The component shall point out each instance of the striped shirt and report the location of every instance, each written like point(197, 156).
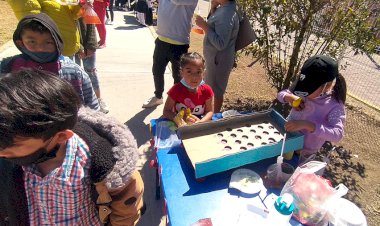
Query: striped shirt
point(80, 80)
point(62, 197)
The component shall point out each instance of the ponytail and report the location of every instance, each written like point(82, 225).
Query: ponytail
point(340, 89)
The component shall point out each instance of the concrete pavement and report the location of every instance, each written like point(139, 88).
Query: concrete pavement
point(126, 81)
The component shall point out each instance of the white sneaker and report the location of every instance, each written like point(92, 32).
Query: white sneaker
point(107, 21)
point(154, 101)
point(103, 106)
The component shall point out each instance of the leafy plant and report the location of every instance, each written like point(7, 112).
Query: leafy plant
point(290, 31)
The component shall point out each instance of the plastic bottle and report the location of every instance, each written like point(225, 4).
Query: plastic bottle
point(282, 210)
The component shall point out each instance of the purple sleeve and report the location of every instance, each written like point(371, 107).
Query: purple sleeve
point(281, 95)
point(334, 130)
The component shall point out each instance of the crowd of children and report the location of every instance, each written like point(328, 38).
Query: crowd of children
point(50, 142)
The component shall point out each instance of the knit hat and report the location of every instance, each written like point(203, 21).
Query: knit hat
point(316, 71)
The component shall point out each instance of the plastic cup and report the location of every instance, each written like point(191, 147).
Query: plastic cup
point(286, 172)
point(306, 157)
point(196, 28)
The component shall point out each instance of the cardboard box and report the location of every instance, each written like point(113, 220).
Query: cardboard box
point(218, 146)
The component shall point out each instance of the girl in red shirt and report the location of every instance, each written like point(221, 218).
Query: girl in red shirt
point(191, 92)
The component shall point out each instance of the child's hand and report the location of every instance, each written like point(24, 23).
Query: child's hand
point(190, 118)
point(297, 125)
point(201, 22)
point(298, 106)
point(214, 5)
point(295, 101)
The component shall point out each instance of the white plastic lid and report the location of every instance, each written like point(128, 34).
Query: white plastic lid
point(347, 213)
point(246, 181)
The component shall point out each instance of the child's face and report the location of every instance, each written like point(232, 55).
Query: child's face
point(23, 147)
point(37, 42)
point(322, 89)
point(192, 73)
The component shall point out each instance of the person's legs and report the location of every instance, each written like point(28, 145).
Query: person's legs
point(100, 9)
point(110, 7)
point(218, 73)
point(218, 103)
point(89, 66)
point(107, 18)
point(160, 61)
point(176, 52)
point(141, 18)
point(220, 85)
point(149, 17)
point(124, 4)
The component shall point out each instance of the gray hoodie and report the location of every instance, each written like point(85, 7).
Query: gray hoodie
point(174, 19)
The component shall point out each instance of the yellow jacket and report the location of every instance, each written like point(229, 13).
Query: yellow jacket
point(63, 15)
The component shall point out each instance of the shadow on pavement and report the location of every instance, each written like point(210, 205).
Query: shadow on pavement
point(129, 19)
point(139, 129)
point(129, 28)
point(154, 215)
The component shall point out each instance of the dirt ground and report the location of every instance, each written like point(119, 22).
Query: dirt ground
point(8, 22)
point(354, 161)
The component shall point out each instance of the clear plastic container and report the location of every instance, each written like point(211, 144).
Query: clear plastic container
point(278, 181)
point(166, 136)
point(195, 28)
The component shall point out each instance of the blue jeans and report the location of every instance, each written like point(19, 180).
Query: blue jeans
point(89, 67)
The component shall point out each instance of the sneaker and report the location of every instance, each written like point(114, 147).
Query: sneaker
point(103, 106)
point(107, 21)
point(154, 101)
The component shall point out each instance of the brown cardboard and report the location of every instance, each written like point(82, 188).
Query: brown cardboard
point(233, 137)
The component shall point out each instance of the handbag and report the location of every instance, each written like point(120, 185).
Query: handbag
point(246, 35)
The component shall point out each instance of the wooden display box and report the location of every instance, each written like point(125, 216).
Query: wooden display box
point(218, 146)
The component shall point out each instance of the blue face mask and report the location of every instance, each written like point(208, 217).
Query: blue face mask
point(189, 87)
point(41, 57)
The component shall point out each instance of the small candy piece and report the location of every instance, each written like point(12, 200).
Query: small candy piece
point(296, 103)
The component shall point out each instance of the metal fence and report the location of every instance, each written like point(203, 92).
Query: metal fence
point(362, 74)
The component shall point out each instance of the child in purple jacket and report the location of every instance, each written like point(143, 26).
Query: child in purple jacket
point(317, 99)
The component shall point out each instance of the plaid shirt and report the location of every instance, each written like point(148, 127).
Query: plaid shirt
point(63, 196)
point(80, 80)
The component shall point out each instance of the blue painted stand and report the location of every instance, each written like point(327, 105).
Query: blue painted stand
point(188, 199)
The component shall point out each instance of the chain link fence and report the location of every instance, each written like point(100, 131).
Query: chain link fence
point(361, 141)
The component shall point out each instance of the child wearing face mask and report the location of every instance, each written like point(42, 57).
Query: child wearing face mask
point(191, 92)
point(41, 45)
point(317, 99)
point(60, 163)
